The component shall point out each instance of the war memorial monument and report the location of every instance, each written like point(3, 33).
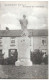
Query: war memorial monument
point(24, 45)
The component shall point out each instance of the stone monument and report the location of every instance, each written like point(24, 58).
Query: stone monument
point(24, 45)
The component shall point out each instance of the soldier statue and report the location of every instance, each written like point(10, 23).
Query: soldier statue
point(24, 23)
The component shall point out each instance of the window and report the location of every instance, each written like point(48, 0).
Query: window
point(43, 41)
point(0, 41)
point(12, 41)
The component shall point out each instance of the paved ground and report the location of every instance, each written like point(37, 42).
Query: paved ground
point(21, 72)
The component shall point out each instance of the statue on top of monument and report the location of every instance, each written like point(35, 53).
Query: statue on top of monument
point(24, 23)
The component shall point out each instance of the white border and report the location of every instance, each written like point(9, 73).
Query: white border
point(48, 38)
point(24, 0)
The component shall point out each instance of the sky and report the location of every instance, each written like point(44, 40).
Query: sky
point(36, 14)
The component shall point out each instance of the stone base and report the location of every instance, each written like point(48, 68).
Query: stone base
point(23, 62)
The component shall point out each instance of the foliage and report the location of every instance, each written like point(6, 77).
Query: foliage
point(37, 57)
point(10, 60)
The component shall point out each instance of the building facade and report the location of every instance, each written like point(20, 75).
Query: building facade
point(9, 41)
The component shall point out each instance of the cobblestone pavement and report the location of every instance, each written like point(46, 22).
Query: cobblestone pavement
point(22, 72)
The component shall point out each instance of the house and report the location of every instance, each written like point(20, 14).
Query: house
point(9, 40)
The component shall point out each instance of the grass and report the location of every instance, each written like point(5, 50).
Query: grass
point(22, 72)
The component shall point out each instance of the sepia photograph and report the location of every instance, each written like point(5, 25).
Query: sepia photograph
point(23, 39)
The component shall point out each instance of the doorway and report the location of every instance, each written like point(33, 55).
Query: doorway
point(13, 54)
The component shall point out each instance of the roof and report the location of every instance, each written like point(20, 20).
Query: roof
point(17, 33)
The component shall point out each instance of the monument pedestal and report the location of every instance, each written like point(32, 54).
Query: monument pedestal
point(23, 52)
point(23, 62)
